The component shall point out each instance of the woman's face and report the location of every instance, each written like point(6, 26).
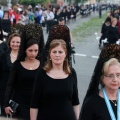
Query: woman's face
point(57, 55)
point(6, 15)
point(107, 23)
point(112, 79)
point(32, 52)
point(15, 43)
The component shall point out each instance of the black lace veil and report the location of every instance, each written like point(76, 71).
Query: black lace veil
point(31, 31)
point(59, 32)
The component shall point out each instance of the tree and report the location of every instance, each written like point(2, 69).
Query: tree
point(27, 2)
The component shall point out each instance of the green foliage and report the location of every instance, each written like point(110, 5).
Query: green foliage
point(32, 2)
point(88, 28)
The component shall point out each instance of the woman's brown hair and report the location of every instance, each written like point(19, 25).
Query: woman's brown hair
point(11, 37)
point(48, 66)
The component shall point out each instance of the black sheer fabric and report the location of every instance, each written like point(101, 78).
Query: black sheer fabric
point(10, 85)
point(59, 32)
point(32, 31)
point(17, 28)
point(110, 51)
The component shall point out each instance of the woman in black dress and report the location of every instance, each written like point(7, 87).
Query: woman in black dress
point(7, 59)
point(6, 23)
point(113, 32)
point(106, 74)
point(22, 75)
point(55, 95)
point(104, 30)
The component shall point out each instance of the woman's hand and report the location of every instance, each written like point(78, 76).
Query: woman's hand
point(8, 110)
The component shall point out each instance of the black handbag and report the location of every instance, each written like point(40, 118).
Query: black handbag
point(13, 106)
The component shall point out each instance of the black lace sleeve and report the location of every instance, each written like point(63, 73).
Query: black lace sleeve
point(75, 98)
point(11, 84)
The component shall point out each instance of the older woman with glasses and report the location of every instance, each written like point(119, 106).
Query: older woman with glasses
point(104, 103)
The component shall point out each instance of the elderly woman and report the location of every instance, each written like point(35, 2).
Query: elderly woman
point(104, 103)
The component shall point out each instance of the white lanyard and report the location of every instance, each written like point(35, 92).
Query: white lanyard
point(112, 115)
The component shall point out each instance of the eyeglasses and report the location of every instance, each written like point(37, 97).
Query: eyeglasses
point(112, 76)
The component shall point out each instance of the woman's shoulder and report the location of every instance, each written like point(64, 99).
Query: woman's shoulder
point(95, 98)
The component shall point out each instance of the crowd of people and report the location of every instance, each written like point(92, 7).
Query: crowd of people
point(45, 16)
point(37, 80)
point(111, 28)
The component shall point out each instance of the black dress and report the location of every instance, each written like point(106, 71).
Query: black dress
point(5, 67)
point(104, 31)
point(6, 23)
point(112, 35)
point(20, 88)
point(55, 98)
point(96, 109)
point(3, 47)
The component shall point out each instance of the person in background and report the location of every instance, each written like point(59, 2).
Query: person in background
point(3, 45)
point(103, 96)
point(61, 21)
point(7, 59)
point(104, 30)
point(49, 100)
point(100, 11)
point(49, 19)
point(113, 36)
point(6, 23)
point(1, 12)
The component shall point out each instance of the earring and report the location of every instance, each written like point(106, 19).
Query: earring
point(50, 58)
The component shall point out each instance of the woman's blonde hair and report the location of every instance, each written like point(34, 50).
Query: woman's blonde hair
point(112, 61)
point(48, 65)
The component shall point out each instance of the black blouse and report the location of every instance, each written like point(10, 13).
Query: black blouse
point(55, 98)
point(95, 108)
point(20, 85)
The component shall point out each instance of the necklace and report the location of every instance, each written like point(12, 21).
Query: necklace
point(31, 68)
point(114, 102)
point(13, 55)
point(58, 76)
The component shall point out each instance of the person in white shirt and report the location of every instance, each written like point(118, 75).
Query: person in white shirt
point(1, 12)
point(49, 19)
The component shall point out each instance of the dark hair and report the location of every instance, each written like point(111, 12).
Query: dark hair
point(30, 42)
point(61, 19)
point(24, 45)
point(108, 19)
point(5, 13)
